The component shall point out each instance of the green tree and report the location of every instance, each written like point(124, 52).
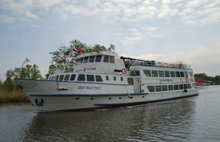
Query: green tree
point(1, 85)
point(8, 83)
point(35, 72)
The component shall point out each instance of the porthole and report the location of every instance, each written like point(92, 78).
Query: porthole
point(77, 99)
point(109, 98)
point(142, 96)
point(119, 97)
point(91, 98)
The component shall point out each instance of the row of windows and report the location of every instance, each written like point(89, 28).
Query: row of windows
point(155, 73)
point(98, 58)
point(81, 77)
point(160, 88)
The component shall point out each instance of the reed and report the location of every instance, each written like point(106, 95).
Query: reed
point(13, 97)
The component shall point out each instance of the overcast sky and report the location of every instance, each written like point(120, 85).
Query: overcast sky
point(163, 30)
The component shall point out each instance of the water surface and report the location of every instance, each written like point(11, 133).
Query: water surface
point(189, 119)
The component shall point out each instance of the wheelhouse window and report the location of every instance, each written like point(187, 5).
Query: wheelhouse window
point(147, 73)
point(137, 73)
point(72, 77)
point(164, 87)
point(191, 74)
point(170, 87)
point(106, 59)
point(80, 60)
point(54, 78)
point(154, 73)
point(161, 73)
point(182, 74)
point(66, 78)
point(90, 77)
point(57, 77)
point(85, 59)
point(181, 87)
point(98, 58)
point(185, 86)
point(151, 88)
point(177, 74)
point(112, 59)
point(172, 74)
point(158, 89)
point(81, 77)
point(167, 74)
point(98, 78)
point(176, 87)
point(61, 78)
point(91, 59)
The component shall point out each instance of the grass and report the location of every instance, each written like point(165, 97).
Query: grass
point(13, 97)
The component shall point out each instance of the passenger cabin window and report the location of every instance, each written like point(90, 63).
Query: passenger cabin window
point(107, 78)
point(61, 78)
point(98, 58)
point(98, 78)
point(185, 86)
point(172, 74)
point(72, 77)
point(91, 59)
point(147, 73)
point(137, 73)
point(112, 59)
point(189, 86)
point(158, 89)
point(182, 74)
point(161, 73)
point(164, 87)
point(180, 87)
point(177, 74)
point(81, 77)
point(106, 59)
point(90, 77)
point(167, 74)
point(176, 87)
point(154, 73)
point(85, 59)
point(54, 78)
point(151, 88)
point(170, 87)
point(66, 78)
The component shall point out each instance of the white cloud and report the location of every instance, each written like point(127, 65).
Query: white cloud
point(28, 14)
point(93, 3)
point(46, 4)
point(151, 29)
point(7, 19)
point(165, 10)
point(212, 18)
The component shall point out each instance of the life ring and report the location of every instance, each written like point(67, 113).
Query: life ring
point(123, 70)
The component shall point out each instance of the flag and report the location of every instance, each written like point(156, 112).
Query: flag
point(27, 60)
point(75, 50)
point(81, 50)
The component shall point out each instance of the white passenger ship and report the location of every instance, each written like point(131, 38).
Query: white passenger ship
point(102, 79)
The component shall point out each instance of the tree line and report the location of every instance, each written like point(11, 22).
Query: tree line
point(61, 58)
point(205, 77)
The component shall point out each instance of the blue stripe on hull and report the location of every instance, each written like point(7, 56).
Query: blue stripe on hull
point(81, 95)
point(142, 102)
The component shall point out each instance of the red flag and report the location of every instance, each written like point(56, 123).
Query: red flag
point(81, 50)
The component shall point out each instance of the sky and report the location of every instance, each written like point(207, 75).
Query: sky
point(161, 30)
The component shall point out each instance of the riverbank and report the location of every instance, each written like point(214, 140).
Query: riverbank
point(13, 97)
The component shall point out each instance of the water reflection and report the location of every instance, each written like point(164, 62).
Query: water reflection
point(169, 120)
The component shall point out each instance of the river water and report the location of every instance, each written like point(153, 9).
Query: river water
point(189, 119)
